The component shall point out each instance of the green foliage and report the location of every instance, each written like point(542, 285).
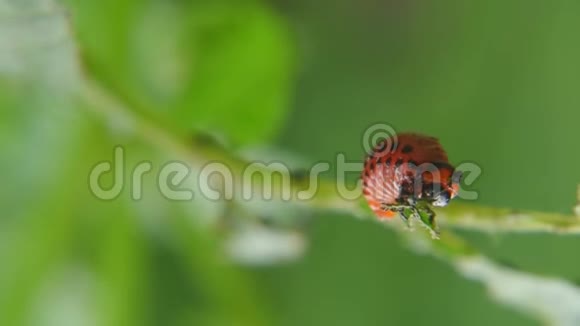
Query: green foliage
point(495, 81)
point(223, 67)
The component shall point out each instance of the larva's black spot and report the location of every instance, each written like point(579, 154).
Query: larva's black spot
point(372, 164)
point(407, 149)
point(399, 162)
point(387, 161)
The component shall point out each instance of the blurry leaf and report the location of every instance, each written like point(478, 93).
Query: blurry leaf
point(254, 244)
point(555, 301)
point(223, 67)
point(51, 146)
point(104, 31)
point(241, 73)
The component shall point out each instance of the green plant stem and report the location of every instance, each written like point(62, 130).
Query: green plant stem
point(456, 216)
point(531, 294)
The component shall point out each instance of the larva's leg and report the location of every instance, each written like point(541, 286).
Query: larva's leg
point(427, 216)
point(407, 215)
point(405, 212)
point(393, 207)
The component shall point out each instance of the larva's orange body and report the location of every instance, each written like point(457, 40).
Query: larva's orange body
point(405, 174)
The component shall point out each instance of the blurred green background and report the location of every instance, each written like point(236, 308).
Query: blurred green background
point(498, 83)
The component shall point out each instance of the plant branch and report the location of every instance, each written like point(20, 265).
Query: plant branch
point(456, 216)
point(529, 293)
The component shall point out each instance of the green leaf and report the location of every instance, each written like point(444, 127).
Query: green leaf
point(242, 73)
point(49, 218)
point(223, 67)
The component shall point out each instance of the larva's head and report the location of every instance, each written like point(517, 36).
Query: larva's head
point(449, 189)
point(440, 185)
